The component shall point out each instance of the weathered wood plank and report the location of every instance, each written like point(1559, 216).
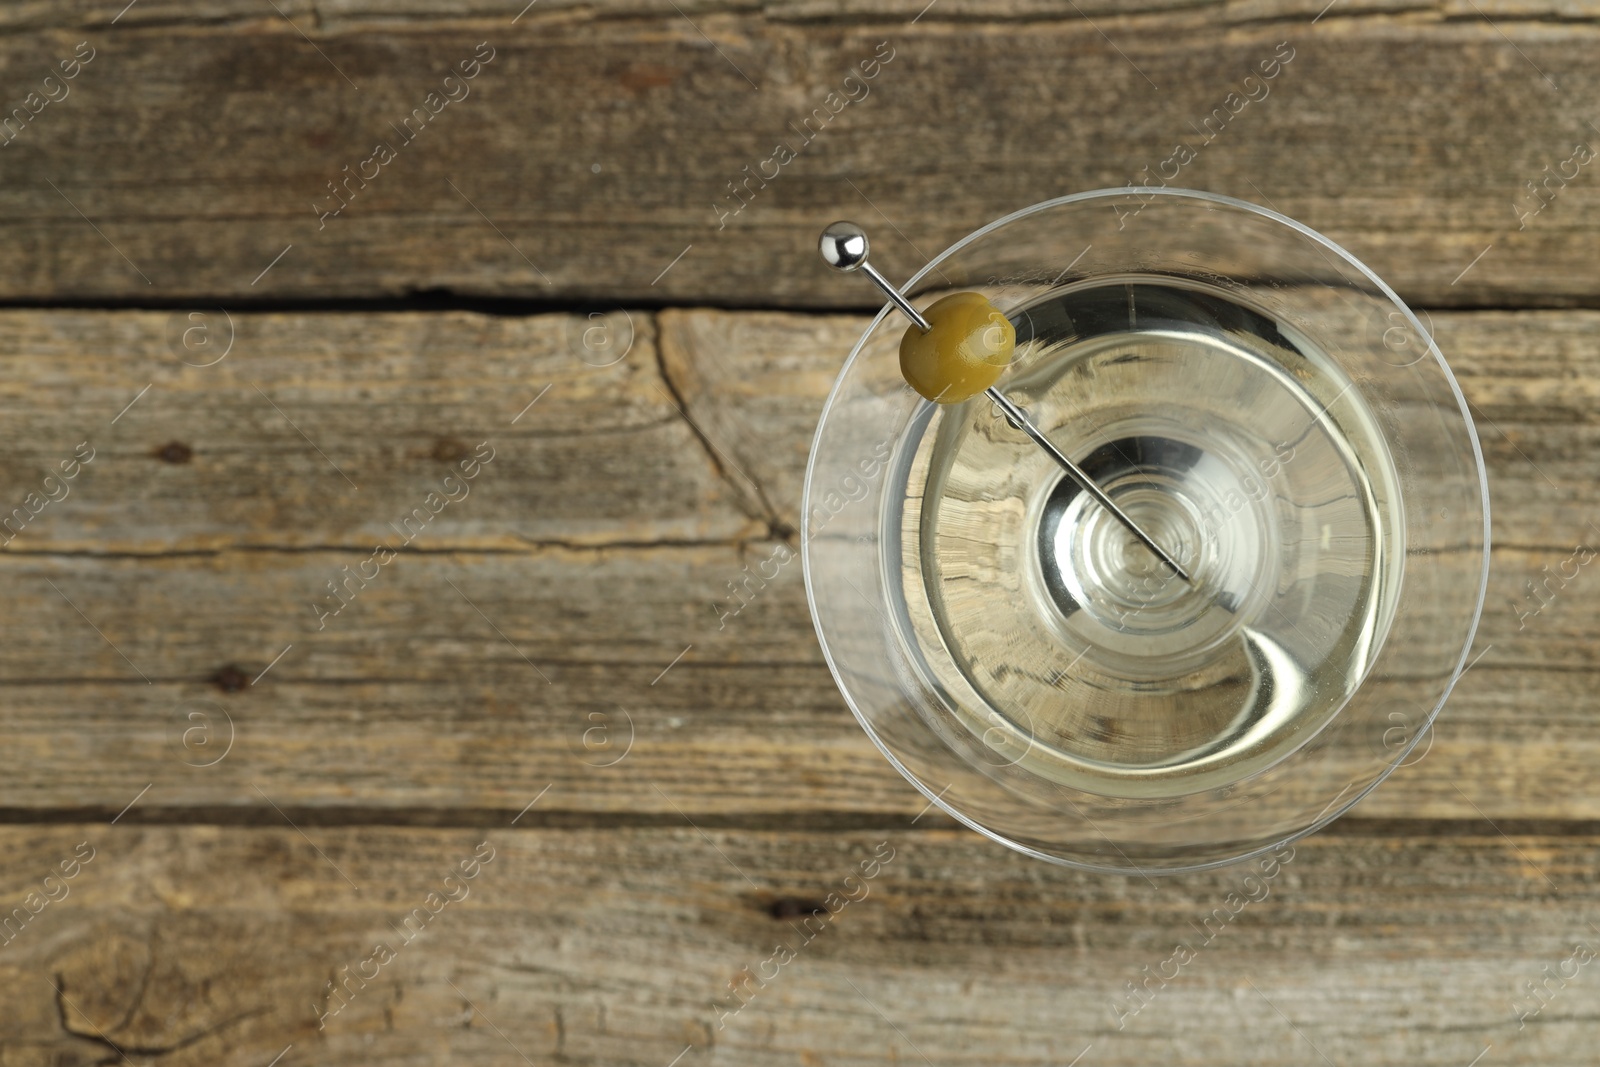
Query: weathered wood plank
point(215, 945)
point(410, 699)
point(592, 152)
point(338, 16)
point(604, 456)
point(325, 429)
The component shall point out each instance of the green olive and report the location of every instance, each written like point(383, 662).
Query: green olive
point(968, 345)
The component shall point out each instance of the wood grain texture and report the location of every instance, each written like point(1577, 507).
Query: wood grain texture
point(332, 16)
point(198, 945)
point(593, 554)
point(592, 158)
point(322, 429)
point(671, 791)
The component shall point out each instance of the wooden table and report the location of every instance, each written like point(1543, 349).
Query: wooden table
point(578, 811)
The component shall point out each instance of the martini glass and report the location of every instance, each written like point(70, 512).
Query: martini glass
point(1268, 410)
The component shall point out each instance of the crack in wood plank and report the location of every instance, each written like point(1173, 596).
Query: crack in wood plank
point(99, 1037)
point(762, 509)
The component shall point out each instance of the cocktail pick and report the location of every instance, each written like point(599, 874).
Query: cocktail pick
point(960, 348)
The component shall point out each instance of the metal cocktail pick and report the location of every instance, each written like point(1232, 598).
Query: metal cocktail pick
point(844, 248)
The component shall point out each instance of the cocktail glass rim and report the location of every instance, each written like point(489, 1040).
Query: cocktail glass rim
point(1334, 809)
